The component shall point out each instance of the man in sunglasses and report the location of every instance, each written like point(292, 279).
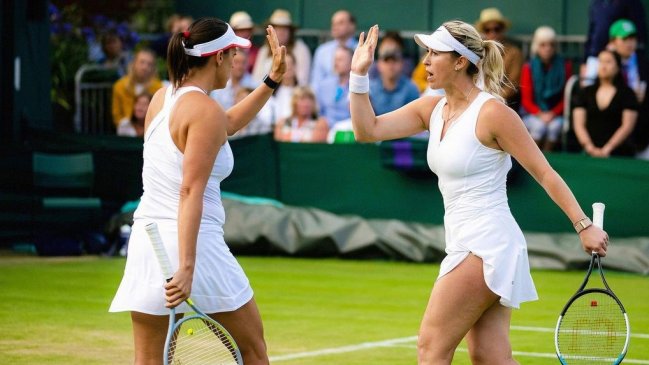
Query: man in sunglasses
point(493, 26)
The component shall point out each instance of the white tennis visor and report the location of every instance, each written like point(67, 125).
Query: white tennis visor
point(226, 41)
point(441, 40)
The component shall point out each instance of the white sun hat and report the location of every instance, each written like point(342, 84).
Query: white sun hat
point(441, 40)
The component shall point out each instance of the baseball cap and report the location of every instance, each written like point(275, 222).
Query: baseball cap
point(622, 28)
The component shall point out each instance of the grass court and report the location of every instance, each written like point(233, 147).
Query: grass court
point(315, 311)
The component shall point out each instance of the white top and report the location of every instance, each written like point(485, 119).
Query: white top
point(219, 284)
point(162, 171)
point(472, 179)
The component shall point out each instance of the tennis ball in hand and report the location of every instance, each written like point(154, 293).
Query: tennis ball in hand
point(190, 331)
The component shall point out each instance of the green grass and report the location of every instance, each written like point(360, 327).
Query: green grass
point(54, 311)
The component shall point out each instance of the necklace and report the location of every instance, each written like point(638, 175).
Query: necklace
point(450, 117)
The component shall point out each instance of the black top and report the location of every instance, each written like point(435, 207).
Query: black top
point(602, 124)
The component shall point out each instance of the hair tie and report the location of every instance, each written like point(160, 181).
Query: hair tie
point(186, 34)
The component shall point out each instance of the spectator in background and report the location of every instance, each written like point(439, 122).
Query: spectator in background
point(284, 92)
point(304, 124)
point(343, 29)
point(239, 78)
point(543, 80)
point(605, 113)
point(115, 56)
point(262, 123)
point(176, 23)
point(392, 39)
point(243, 26)
point(142, 77)
point(134, 126)
point(601, 15)
point(285, 29)
point(493, 25)
point(635, 68)
point(391, 89)
point(332, 93)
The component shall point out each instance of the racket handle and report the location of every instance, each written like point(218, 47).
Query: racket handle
point(598, 214)
point(159, 249)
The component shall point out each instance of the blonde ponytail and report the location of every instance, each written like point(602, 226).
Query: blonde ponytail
point(493, 69)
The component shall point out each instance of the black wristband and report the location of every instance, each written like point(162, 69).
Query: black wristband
point(270, 82)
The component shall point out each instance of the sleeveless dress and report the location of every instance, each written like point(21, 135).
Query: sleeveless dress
point(219, 283)
point(477, 219)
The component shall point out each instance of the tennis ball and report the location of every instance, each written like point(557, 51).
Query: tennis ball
point(190, 331)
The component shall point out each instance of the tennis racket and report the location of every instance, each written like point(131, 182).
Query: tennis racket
point(593, 327)
point(195, 338)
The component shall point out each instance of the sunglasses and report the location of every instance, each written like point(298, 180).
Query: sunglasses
point(493, 30)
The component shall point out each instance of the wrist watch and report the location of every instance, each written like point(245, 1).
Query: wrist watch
point(582, 224)
point(270, 82)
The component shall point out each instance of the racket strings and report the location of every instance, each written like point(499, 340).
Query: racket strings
point(198, 341)
point(593, 330)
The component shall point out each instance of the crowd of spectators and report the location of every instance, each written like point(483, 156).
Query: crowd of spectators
point(608, 110)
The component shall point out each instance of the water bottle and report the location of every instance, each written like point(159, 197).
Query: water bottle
point(124, 234)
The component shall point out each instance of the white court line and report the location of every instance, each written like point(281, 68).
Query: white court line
point(399, 342)
point(344, 349)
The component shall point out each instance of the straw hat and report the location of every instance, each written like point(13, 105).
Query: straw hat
point(491, 15)
point(241, 20)
point(281, 18)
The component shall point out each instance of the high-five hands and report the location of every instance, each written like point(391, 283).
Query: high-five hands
point(278, 51)
point(364, 53)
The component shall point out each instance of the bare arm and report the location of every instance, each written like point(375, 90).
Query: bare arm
point(579, 125)
point(403, 122)
point(500, 127)
point(240, 114)
point(199, 134)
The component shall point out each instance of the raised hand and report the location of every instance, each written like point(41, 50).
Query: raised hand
point(278, 51)
point(364, 53)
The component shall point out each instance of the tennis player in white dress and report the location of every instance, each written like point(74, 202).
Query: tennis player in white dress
point(186, 156)
point(473, 135)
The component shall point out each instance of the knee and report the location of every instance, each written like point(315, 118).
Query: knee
point(254, 352)
point(430, 350)
point(481, 355)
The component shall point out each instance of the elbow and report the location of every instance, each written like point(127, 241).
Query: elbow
point(363, 137)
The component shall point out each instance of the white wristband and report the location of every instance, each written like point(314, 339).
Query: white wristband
point(359, 84)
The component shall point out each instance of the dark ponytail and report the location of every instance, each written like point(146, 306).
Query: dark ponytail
point(201, 31)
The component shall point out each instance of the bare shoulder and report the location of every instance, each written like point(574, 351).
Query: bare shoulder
point(425, 106)
point(497, 116)
point(157, 101)
point(198, 108)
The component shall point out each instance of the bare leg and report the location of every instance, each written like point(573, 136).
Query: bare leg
point(488, 339)
point(149, 334)
point(244, 324)
point(457, 301)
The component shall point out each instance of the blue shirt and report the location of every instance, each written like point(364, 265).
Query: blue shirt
point(323, 60)
point(333, 100)
point(226, 96)
point(385, 101)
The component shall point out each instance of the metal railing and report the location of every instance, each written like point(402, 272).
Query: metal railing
point(93, 90)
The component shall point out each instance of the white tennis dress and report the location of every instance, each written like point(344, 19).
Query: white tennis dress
point(219, 282)
point(477, 218)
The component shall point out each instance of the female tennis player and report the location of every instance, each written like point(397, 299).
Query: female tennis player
point(472, 136)
point(186, 156)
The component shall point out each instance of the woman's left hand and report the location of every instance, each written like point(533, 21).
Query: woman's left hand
point(278, 51)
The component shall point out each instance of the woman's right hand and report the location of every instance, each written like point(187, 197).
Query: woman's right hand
point(178, 289)
point(594, 239)
point(364, 53)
